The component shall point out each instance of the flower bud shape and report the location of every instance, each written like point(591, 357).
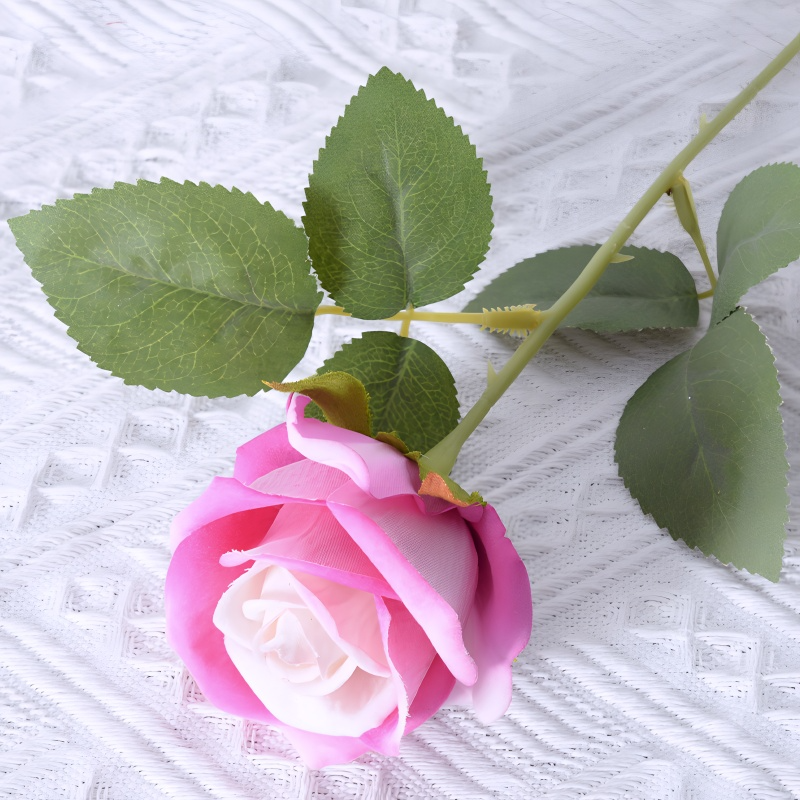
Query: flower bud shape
point(317, 591)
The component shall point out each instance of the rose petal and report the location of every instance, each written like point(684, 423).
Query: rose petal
point(440, 548)
point(221, 496)
point(431, 695)
point(499, 626)
point(304, 480)
point(309, 538)
point(410, 656)
point(346, 700)
point(375, 467)
point(322, 751)
point(195, 582)
point(268, 451)
point(350, 619)
point(362, 703)
point(412, 552)
point(318, 751)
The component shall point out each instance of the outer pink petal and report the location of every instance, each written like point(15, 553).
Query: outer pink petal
point(410, 656)
point(432, 694)
point(318, 751)
point(268, 451)
point(222, 496)
point(499, 626)
point(401, 542)
point(195, 582)
point(375, 467)
point(305, 480)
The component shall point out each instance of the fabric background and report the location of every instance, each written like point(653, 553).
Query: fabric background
point(653, 673)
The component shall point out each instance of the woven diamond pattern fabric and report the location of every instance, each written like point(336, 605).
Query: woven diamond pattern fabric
point(653, 673)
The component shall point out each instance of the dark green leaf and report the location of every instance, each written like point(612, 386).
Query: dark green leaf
point(654, 290)
point(758, 233)
point(398, 209)
point(700, 446)
point(411, 391)
point(176, 286)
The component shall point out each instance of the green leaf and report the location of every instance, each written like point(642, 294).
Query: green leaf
point(341, 397)
point(398, 209)
point(758, 233)
point(700, 446)
point(411, 391)
point(176, 286)
point(653, 290)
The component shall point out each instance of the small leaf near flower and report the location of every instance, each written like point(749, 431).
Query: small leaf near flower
point(343, 399)
point(411, 390)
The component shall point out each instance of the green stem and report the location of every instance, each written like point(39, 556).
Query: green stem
point(517, 318)
point(442, 456)
point(405, 325)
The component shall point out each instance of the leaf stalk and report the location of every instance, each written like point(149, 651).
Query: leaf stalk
point(511, 319)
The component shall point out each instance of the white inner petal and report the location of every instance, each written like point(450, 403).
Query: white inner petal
point(284, 633)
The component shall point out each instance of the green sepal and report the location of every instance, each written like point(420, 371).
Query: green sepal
point(343, 399)
point(436, 485)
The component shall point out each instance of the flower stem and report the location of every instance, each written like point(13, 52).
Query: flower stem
point(442, 456)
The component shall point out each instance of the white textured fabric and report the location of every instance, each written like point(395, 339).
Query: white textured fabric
point(653, 672)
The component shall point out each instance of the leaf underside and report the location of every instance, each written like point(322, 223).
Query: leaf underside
point(700, 445)
point(653, 290)
point(411, 391)
point(176, 286)
point(758, 233)
point(397, 208)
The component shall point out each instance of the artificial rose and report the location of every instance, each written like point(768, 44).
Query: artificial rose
point(317, 591)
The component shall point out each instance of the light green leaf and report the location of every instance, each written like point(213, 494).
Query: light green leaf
point(411, 391)
point(700, 446)
point(398, 209)
point(341, 397)
point(758, 233)
point(652, 290)
point(176, 286)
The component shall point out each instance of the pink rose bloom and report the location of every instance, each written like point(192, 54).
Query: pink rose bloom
point(318, 592)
